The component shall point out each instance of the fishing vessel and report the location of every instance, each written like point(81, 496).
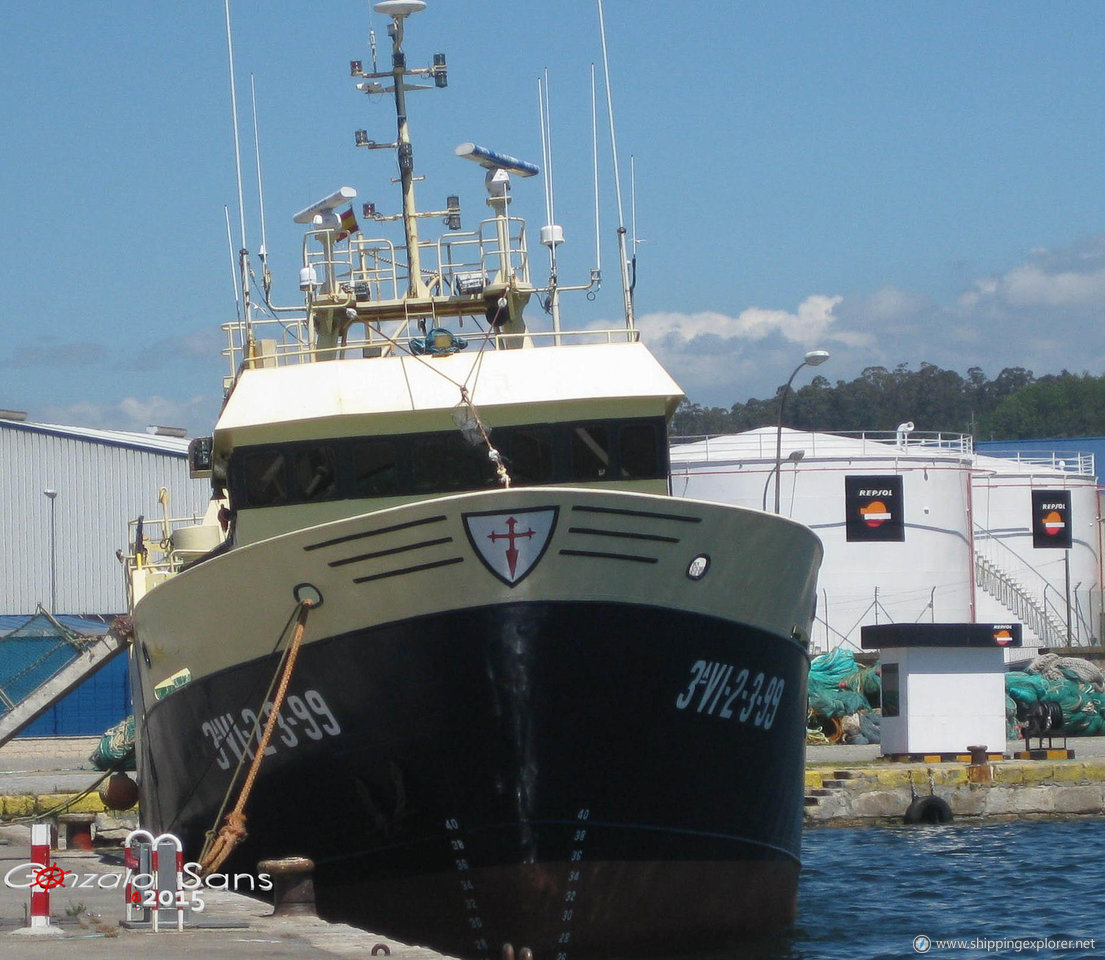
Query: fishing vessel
point(444, 631)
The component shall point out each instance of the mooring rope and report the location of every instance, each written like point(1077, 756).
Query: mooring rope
point(234, 829)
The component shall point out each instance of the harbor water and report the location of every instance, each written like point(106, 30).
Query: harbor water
point(1031, 889)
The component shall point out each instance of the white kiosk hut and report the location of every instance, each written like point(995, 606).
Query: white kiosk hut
point(943, 687)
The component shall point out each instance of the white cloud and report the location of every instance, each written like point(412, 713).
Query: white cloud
point(1068, 279)
point(1045, 313)
point(715, 356)
point(890, 305)
point(197, 414)
point(809, 325)
point(1030, 286)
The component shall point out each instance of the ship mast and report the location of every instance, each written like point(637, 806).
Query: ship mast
point(399, 10)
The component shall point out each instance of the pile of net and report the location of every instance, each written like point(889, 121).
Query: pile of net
point(843, 696)
point(115, 751)
point(1076, 685)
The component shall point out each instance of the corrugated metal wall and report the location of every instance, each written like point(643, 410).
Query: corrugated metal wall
point(97, 704)
point(102, 481)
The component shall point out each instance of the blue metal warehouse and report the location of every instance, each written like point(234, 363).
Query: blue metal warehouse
point(66, 496)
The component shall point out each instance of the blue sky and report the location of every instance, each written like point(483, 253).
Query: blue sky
point(896, 183)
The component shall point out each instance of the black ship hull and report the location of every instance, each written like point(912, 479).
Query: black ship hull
point(586, 779)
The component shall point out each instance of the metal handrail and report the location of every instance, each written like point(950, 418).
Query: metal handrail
point(884, 442)
point(289, 350)
point(1062, 461)
point(1010, 594)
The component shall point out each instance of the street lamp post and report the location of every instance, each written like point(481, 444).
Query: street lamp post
point(52, 495)
point(812, 359)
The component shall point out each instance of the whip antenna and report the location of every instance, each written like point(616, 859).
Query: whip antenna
point(260, 190)
point(233, 271)
point(595, 172)
point(627, 294)
point(551, 234)
point(234, 115)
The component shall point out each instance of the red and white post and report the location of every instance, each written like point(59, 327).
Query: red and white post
point(136, 859)
point(40, 893)
point(168, 872)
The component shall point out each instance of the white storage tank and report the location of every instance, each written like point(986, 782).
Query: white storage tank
point(1038, 545)
point(892, 509)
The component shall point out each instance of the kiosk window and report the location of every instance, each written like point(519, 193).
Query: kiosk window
point(891, 695)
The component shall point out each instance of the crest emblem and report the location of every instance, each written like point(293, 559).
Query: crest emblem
point(511, 542)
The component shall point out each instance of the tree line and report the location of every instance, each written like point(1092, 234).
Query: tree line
point(1014, 405)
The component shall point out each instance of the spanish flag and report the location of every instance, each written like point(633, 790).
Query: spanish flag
point(348, 224)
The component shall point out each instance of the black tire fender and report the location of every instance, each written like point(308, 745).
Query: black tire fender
point(927, 810)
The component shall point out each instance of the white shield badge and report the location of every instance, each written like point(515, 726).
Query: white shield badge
point(510, 543)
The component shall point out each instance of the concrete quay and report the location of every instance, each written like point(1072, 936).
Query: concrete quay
point(845, 785)
point(850, 785)
point(37, 775)
point(86, 917)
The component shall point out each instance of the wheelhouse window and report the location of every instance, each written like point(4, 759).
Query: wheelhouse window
point(638, 451)
point(375, 468)
point(530, 454)
point(590, 452)
point(424, 464)
point(315, 473)
point(447, 462)
point(264, 478)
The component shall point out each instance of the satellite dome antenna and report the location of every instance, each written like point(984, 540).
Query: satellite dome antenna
point(399, 8)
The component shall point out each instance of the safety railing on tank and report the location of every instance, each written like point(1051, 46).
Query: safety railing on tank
point(1063, 461)
point(760, 444)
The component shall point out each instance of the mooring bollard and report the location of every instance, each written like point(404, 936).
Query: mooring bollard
point(293, 886)
point(979, 769)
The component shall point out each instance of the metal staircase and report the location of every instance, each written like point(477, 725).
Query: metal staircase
point(1048, 628)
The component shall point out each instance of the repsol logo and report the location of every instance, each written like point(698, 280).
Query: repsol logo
point(1053, 506)
point(875, 493)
